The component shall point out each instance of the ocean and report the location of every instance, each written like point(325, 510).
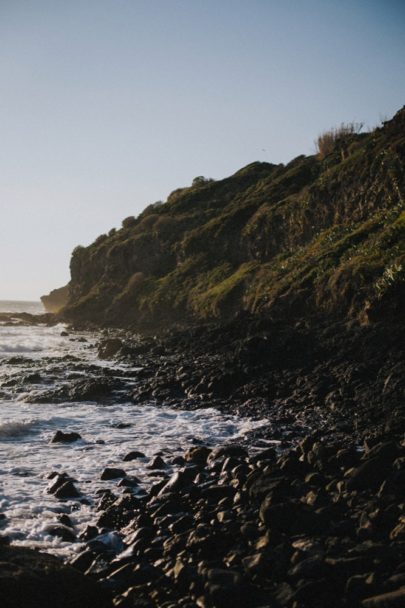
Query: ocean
point(33, 308)
point(39, 365)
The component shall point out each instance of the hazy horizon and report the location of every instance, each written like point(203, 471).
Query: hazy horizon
point(15, 300)
point(109, 106)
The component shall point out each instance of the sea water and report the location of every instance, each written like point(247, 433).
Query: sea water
point(34, 308)
point(38, 358)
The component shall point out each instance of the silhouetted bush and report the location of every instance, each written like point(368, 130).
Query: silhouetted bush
point(337, 137)
point(200, 180)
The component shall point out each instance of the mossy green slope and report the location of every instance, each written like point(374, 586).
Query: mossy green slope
point(317, 236)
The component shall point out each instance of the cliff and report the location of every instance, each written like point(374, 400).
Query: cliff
point(56, 300)
point(322, 235)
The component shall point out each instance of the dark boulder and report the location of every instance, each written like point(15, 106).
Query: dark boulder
point(61, 437)
point(107, 349)
point(29, 579)
point(61, 531)
point(369, 475)
point(91, 390)
point(157, 463)
point(233, 451)
point(179, 480)
point(134, 455)
point(67, 490)
point(63, 486)
point(197, 455)
point(111, 473)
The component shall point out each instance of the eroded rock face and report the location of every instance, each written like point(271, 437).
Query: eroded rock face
point(56, 299)
point(29, 579)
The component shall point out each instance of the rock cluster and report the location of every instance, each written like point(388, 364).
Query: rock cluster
point(345, 380)
point(319, 525)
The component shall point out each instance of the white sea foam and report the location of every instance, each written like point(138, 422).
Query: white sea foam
point(15, 429)
point(27, 455)
point(31, 457)
point(39, 341)
point(19, 348)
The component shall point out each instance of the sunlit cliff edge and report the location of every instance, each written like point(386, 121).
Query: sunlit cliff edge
point(56, 299)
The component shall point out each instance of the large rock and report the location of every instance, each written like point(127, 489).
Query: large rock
point(91, 389)
point(29, 579)
point(61, 437)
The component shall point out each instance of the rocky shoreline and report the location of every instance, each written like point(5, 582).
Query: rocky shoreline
point(26, 318)
point(318, 522)
point(318, 525)
point(341, 379)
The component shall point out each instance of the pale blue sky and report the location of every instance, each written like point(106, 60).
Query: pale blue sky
point(108, 105)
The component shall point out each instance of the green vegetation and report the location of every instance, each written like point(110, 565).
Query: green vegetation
point(324, 234)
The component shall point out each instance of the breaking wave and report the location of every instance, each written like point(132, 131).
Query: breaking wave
point(16, 429)
point(20, 348)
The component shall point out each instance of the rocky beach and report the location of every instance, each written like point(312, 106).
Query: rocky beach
point(305, 510)
point(215, 402)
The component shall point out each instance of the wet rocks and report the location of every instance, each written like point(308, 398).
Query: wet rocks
point(112, 473)
point(66, 490)
point(134, 455)
point(232, 526)
point(65, 533)
point(316, 521)
point(92, 389)
point(157, 463)
point(197, 455)
point(109, 348)
point(61, 437)
point(180, 480)
point(302, 372)
point(62, 486)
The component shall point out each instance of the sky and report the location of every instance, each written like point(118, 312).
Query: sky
point(107, 106)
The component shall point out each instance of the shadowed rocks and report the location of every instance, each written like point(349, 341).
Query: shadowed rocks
point(34, 580)
point(257, 529)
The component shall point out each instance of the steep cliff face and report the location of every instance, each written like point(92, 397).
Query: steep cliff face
point(317, 236)
point(56, 299)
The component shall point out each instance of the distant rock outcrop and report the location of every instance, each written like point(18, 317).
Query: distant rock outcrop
point(56, 300)
point(322, 235)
